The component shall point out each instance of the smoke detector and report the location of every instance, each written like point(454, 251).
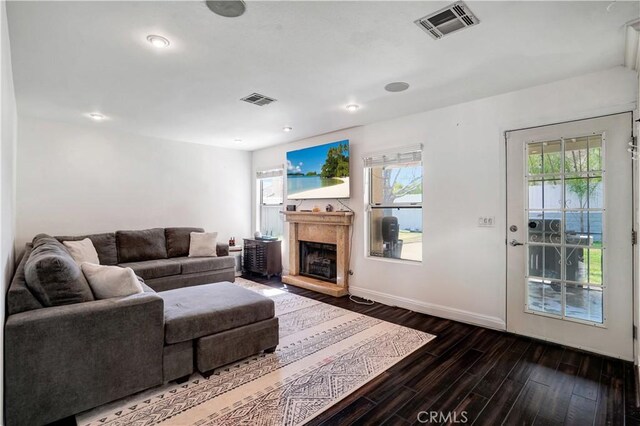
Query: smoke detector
point(258, 99)
point(450, 19)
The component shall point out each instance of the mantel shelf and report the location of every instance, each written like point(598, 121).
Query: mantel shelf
point(329, 218)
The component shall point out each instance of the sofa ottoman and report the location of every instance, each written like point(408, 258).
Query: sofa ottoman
point(224, 321)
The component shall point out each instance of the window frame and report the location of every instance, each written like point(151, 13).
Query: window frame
point(369, 164)
point(261, 175)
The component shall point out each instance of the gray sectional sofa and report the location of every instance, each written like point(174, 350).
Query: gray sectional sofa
point(64, 359)
point(159, 256)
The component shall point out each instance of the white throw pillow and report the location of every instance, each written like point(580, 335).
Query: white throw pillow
point(203, 244)
point(111, 281)
point(82, 251)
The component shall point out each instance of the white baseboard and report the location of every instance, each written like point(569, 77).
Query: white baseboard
point(430, 309)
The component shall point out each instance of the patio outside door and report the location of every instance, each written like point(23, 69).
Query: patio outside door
point(569, 236)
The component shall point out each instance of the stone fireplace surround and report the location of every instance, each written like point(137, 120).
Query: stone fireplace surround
point(320, 227)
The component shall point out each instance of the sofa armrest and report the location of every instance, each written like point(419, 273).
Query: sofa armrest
point(62, 360)
point(222, 249)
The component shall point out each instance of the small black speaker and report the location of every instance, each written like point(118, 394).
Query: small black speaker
point(390, 228)
point(291, 207)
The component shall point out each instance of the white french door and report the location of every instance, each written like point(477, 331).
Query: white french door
point(569, 236)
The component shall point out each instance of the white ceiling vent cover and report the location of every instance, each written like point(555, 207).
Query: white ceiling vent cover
point(258, 99)
point(448, 20)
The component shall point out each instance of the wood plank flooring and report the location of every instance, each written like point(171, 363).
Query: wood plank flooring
point(485, 377)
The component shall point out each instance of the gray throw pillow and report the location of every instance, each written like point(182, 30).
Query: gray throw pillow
point(53, 276)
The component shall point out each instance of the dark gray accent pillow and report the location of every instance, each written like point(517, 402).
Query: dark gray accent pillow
point(105, 245)
point(53, 276)
point(178, 240)
point(135, 246)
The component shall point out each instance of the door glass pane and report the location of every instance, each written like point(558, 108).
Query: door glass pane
point(552, 157)
point(595, 228)
point(595, 192)
point(576, 267)
point(595, 152)
point(576, 155)
point(535, 194)
point(545, 261)
point(552, 194)
point(545, 227)
point(577, 227)
point(534, 158)
point(576, 192)
point(584, 302)
point(545, 296)
point(535, 226)
point(594, 260)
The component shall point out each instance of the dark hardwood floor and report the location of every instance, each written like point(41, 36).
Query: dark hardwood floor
point(485, 377)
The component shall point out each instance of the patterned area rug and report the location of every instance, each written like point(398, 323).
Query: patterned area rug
point(325, 353)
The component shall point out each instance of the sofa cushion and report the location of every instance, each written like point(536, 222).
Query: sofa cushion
point(150, 269)
point(193, 312)
point(191, 265)
point(105, 245)
point(19, 297)
point(135, 246)
point(108, 282)
point(53, 276)
point(178, 240)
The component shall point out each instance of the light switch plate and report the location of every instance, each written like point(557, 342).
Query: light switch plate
point(487, 221)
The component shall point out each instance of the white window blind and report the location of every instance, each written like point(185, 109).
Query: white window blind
point(401, 155)
point(263, 174)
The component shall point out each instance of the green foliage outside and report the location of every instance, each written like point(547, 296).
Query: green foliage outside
point(337, 162)
point(578, 160)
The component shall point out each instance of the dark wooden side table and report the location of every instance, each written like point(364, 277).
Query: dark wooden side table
point(263, 257)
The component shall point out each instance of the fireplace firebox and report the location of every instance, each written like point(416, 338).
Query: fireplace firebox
point(318, 260)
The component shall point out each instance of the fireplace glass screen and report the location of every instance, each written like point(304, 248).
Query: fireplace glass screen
point(318, 260)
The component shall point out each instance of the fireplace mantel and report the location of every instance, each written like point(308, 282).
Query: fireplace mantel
point(320, 227)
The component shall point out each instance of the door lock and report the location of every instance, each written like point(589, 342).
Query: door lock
point(515, 243)
point(513, 228)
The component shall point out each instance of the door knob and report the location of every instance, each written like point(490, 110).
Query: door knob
point(515, 243)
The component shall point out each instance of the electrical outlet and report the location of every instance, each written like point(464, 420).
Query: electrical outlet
point(487, 221)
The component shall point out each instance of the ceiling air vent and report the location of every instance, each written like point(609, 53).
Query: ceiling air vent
point(258, 99)
point(448, 20)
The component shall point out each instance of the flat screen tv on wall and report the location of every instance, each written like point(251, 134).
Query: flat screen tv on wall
point(318, 172)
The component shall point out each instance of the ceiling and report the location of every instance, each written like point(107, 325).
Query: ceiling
point(73, 58)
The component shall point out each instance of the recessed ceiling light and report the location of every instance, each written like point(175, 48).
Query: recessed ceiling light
point(352, 107)
point(237, 140)
point(158, 41)
point(287, 129)
point(96, 116)
point(227, 8)
point(397, 86)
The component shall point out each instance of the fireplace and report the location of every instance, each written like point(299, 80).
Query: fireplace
point(318, 260)
point(319, 251)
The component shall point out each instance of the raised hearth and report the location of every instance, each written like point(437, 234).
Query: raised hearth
point(325, 236)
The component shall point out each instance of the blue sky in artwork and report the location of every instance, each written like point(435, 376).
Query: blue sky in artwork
point(309, 159)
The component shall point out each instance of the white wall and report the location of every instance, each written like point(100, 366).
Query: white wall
point(84, 179)
point(462, 275)
point(7, 173)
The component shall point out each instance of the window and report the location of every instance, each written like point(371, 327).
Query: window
point(394, 197)
point(270, 190)
point(565, 183)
